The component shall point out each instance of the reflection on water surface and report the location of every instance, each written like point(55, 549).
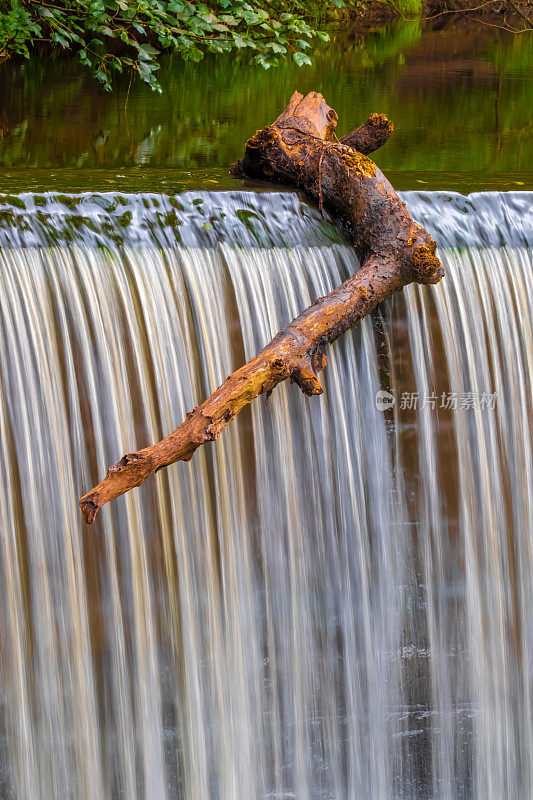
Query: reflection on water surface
point(460, 99)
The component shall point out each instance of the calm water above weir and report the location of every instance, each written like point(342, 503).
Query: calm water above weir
point(460, 99)
point(335, 600)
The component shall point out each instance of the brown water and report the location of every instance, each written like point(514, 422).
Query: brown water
point(331, 602)
point(460, 98)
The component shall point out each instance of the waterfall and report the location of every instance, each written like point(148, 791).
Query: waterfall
point(332, 602)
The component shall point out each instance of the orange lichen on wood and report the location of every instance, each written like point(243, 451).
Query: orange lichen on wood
point(300, 148)
point(371, 135)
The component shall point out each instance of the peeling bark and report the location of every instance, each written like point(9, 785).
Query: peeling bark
point(300, 148)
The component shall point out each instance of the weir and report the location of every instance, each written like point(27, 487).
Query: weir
point(334, 601)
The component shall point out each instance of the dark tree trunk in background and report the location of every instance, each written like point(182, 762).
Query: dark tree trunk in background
point(300, 149)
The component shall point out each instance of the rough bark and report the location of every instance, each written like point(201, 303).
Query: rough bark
point(300, 148)
point(371, 135)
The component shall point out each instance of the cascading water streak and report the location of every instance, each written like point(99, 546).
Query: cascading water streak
point(333, 601)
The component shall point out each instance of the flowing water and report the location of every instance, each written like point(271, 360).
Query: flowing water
point(332, 602)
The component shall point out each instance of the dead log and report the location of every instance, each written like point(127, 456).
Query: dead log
point(300, 148)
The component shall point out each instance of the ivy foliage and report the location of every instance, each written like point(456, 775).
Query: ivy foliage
point(111, 36)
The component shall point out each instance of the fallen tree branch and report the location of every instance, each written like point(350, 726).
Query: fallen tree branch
point(300, 148)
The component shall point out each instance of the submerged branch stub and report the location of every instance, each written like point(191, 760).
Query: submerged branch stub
point(300, 148)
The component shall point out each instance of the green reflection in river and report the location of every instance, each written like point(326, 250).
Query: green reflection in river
point(460, 99)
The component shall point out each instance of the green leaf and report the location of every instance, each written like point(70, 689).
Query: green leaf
point(276, 48)
point(56, 37)
point(147, 52)
point(301, 59)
